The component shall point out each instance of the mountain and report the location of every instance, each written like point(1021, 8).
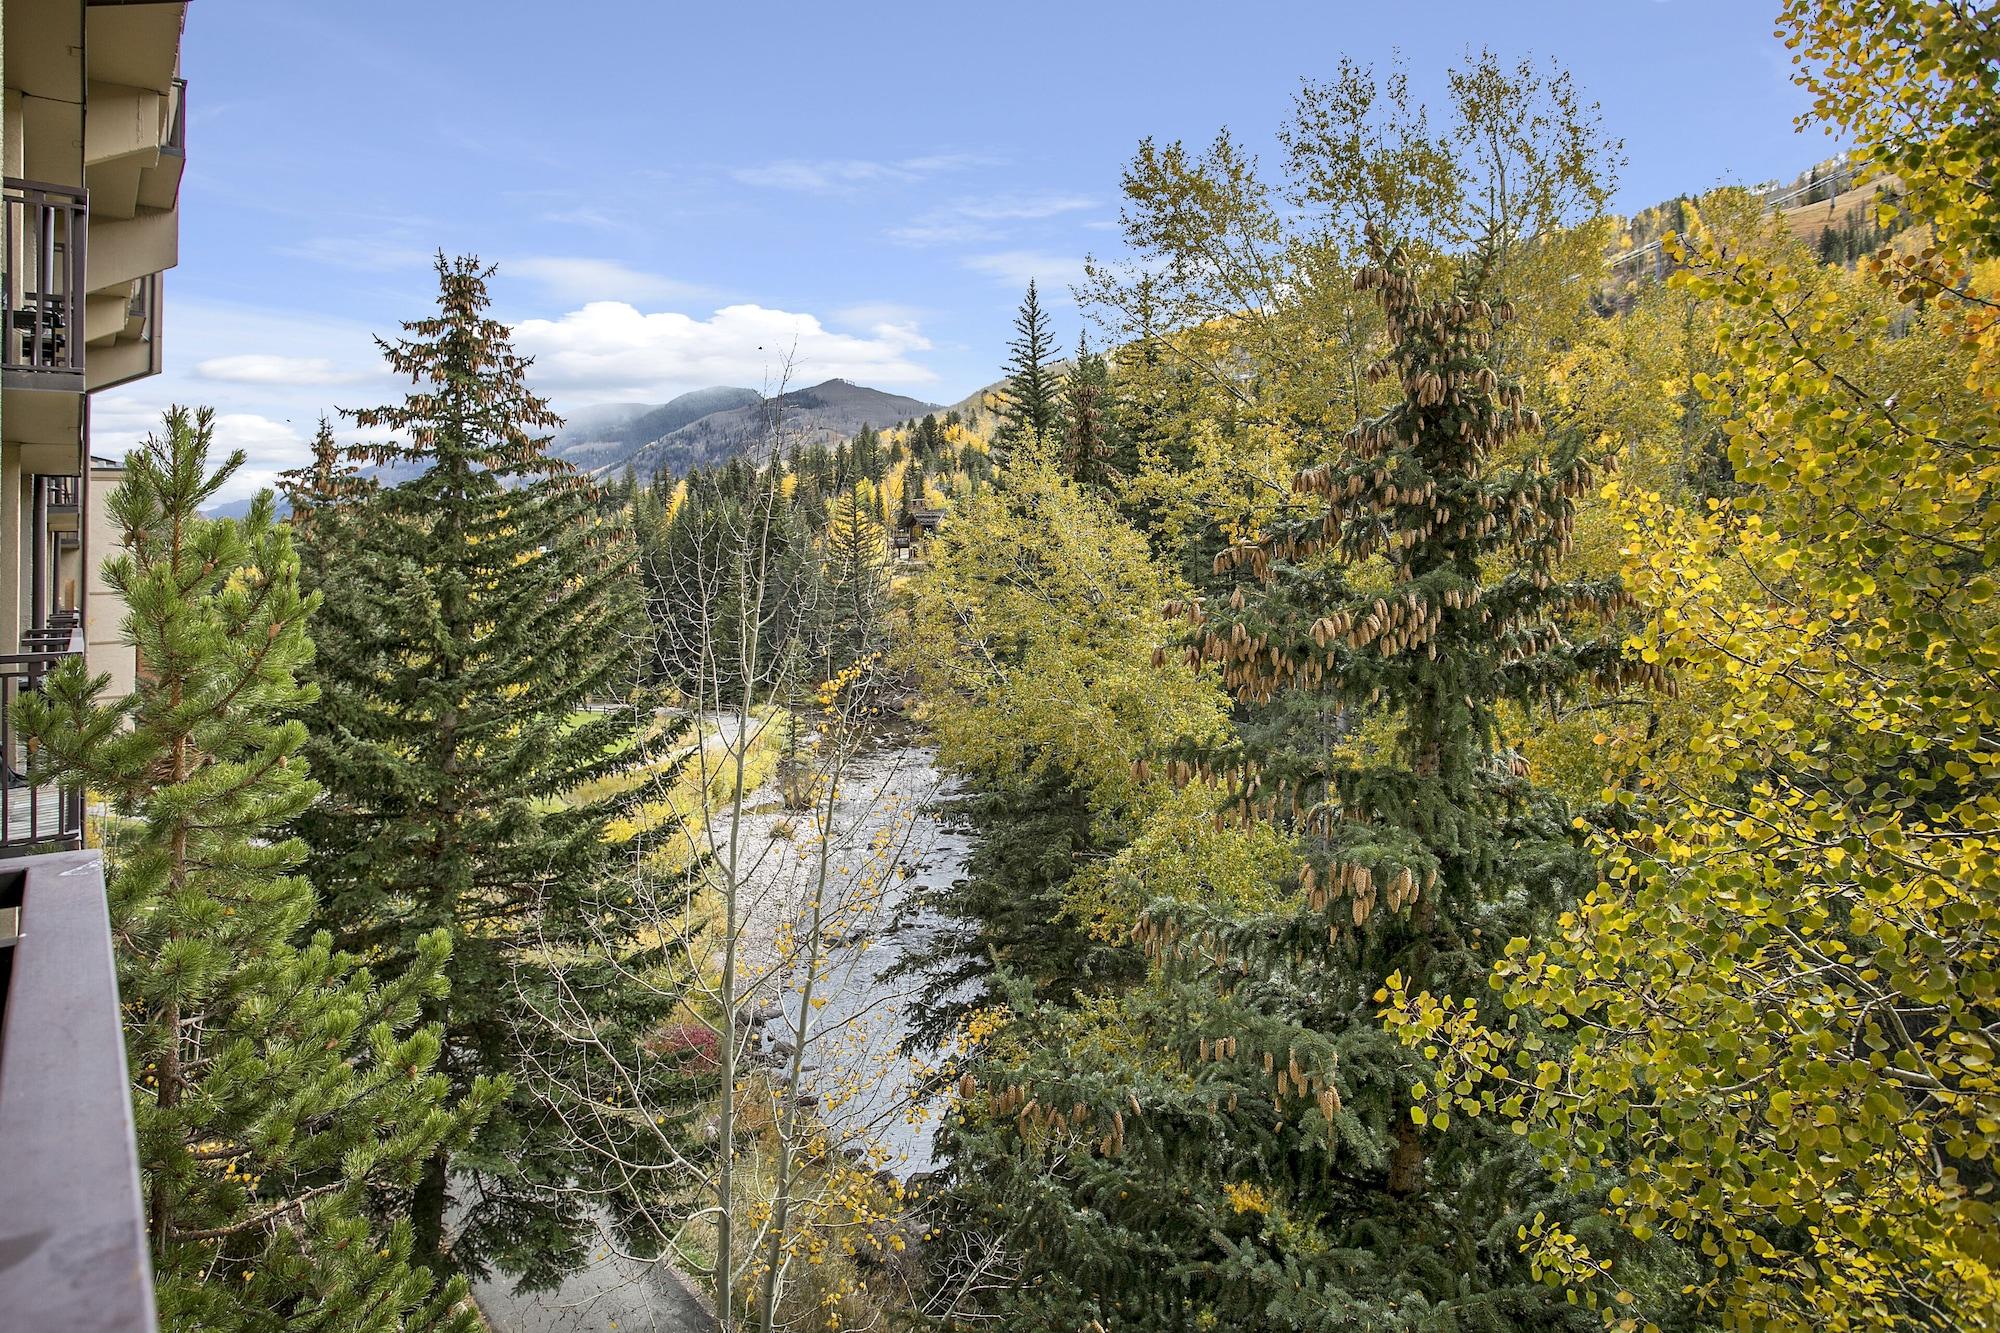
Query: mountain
point(239, 509)
point(823, 414)
point(606, 435)
point(981, 408)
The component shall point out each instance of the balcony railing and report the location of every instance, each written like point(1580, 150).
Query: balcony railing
point(41, 322)
point(37, 816)
point(72, 1223)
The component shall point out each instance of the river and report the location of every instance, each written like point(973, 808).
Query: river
point(888, 846)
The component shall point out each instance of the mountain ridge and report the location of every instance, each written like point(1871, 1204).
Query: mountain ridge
point(825, 413)
point(603, 435)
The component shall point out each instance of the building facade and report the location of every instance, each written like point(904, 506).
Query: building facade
point(92, 145)
point(92, 142)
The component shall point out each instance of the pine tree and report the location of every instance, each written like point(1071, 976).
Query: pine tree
point(483, 627)
point(1029, 406)
point(321, 495)
point(280, 1085)
point(855, 578)
point(1029, 837)
point(1265, 1169)
point(696, 569)
point(864, 458)
point(1091, 452)
point(927, 440)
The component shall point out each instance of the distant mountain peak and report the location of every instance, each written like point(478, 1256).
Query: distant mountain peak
point(678, 436)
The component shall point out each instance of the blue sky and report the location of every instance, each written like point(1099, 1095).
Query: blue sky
point(676, 194)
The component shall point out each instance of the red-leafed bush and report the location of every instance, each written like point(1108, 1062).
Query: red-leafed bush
point(693, 1043)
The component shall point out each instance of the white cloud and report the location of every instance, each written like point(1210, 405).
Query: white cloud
point(1008, 207)
point(264, 368)
point(1052, 273)
point(826, 175)
point(945, 231)
point(573, 280)
point(869, 313)
point(970, 220)
point(812, 176)
point(270, 446)
point(363, 254)
point(949, 162)
point(609, 351)
point(269, 374)
point(587, 217)
point(272, 374)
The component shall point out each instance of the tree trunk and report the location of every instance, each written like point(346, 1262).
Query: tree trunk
point(427, 1216)
point(167, 1079)
point(1406, 1160)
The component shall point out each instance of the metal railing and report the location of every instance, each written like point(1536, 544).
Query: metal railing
point(36, 815)
point(41, 321)
point(72, 1222)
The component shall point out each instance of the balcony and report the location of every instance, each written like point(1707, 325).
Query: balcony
point(159, 185)
point(176, 144)
point(35, 816)
point(72, 1225)
point(43, 233)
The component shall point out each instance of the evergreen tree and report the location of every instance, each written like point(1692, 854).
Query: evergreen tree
point(864, 458)
point(1029, 406)
point(1090, 452)
point(1156, 396)
point(280, 1085)
point(1029, 838)
point(927, 440)
point(1031, 635)
point(700, 565)
point(321, 495)
point(1266, 1164)
point(855, 578)
point(483, 627)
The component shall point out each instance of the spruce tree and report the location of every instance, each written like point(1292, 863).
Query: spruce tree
point(863, 458)
point(1090, 436)
point(1267, 1164)
point(479, 741)
point(280, 1086)
point(699, 567)
point(927, 440)
point(1028, 839)
point(322, 494)
point(854, 575)
point(1030, 404)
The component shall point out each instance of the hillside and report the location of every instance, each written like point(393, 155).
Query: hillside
point(605, 435)
point(823, 414)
